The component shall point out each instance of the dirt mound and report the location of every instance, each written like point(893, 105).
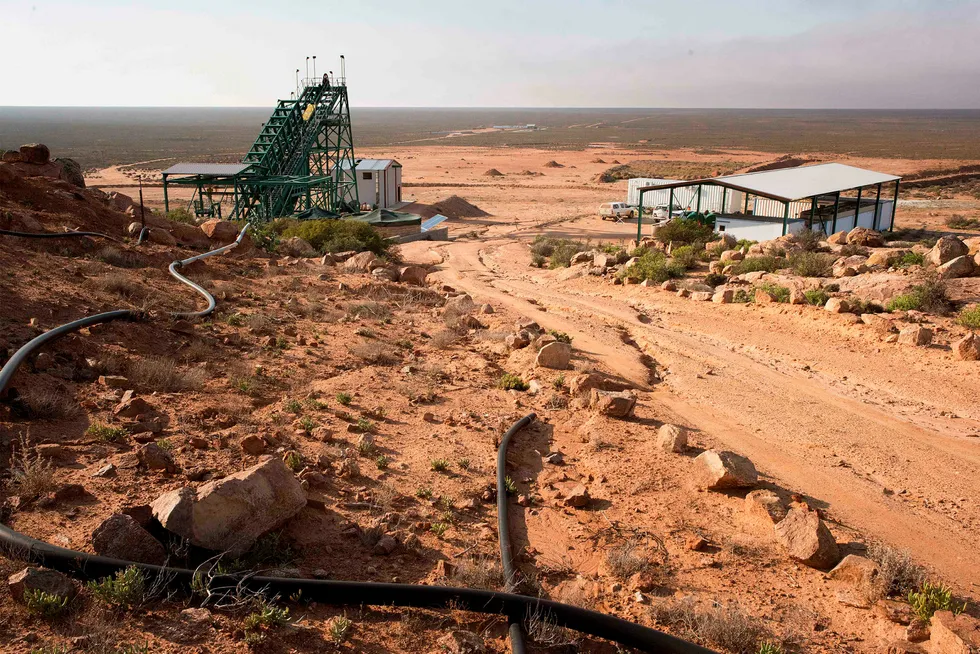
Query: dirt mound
point(599, 160)
point(493, 172)
point(456, 207)
point(530, 173)
point(553, 164)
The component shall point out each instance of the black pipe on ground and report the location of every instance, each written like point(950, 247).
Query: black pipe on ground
point(7, 232)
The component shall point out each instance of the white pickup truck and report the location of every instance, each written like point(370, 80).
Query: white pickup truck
point(660, 214)
point(616, 210)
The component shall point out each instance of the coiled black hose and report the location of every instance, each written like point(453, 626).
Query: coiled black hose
point(7, 232)
point(87, 566)
point(516, 628)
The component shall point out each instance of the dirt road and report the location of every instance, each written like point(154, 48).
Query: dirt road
point(884, 439)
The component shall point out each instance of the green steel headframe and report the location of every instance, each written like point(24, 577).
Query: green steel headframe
point(302, 158)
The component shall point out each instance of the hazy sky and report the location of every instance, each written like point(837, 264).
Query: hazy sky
point(532, 53)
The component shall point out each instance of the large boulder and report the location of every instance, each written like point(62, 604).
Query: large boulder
point(35, 153)
point(840, 238)
point(729, 256)
point(414, 275)
point(672, 438)
point(555, 355)
point(915, 335)
point(616, 404)
point(584, 383)
point(866, 237)
point(229, 515)
point(161, 237)
point(722, 470)
point(295, 246)
point(967, 348)
point(886, 258)
point(765, 506)
point(121, 537)
point(837, 305)
point(807, 538)
point(946, 249)
point(955, 268)
point(220, 231)
point(857, 577)
point(362, 262)
point(48, 581)
point(190, 236)
point(71, 171)
point(954, 634)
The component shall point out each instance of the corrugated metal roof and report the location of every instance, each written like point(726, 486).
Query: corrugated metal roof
point(205, 169)
point(372, 164)
point(790, 184)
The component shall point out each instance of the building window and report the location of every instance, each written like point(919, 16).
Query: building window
point(367, 176)
point(721, 228)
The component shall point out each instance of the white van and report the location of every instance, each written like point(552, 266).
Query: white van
point(616, 211)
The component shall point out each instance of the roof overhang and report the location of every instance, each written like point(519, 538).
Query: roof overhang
point(206, 169)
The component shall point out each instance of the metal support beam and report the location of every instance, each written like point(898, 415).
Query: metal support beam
point(639, 218)
point(874, 221)
point(166, 200)
point(670, 206)
point(699, 199)
point(785, 216)
point(724, 197)
point(745, 211)
point(857, 208)
point(891, 227)
point(833, 224)
point(813, 211)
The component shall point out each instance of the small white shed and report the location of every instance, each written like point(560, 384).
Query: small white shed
point(379, 182)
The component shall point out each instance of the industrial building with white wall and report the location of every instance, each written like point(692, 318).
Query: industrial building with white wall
point(379, 183)
point(829, 197)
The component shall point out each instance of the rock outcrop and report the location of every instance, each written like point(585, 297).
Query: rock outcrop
point(807, 538)
point(120, 537)
point(722, 470)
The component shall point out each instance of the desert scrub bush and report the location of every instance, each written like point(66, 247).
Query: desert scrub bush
point(463, 463)
point(653, 265)
point(959, 221)
point(344, 398)
point(765, 263)
point(477, 572)
point(423, 493)
point(510, 486)
point(127, 590)
point(338, 236)
point(382, 462)
point(910, 259)
point(931, 598)
point(542, 246)
point(30, 475)
point(339, 629)
point(726, 627)
point(809, 239)
point(121, 285)
point(444, 339)
point(120, 259)
point(898, 574)
point(511, 382)
point(181, 215)
point(686, 257)
point(263, 619)
point(439, 465)
point(715, 279)
point(558, 383)
point(627, 559)
point(684, 231)
point(105, 433)
point(564, 250)
point(742, 297)
point(930, 295)
point(561, 337)
point(294, 406)
point(439, 528)
point(373, 353)
point(816, 297)
point(235, 320)
point(781, 293)
point(811, 264)
point(48, 403)
point(293, 461)
point(307, 423)
point(44, 605)
point(162, 374)
point(970, 317)
point(370, 309)
point(538, 261)
point(714, 250)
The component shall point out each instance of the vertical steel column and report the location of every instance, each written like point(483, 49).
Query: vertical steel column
point(724, 197)
point(833, 225)
point(891, 227)
point(857, 208)
point(166, 200)
point(813, 211)
point(670, 205)
point(745, 211)
point(639, 217)
point(785, 216)
point(874, 221)
point(699, 199)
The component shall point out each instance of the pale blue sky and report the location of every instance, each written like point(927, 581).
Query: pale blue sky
point(541, 53)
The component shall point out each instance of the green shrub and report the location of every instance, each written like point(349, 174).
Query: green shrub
point(742, 297)
point(904, 302)
point(816, 297)
point(105, 433)
point(510, 486)
point(44, 605)
point(265, 236)
point(653, 265)
point(715, 279)
point(561, 337)
point(781, 293)
point(714, 252)
point(931, 295)
point(344, 398)
point(439, 465)
point(561, 256)
point(543, 246)
point(538, 260)
point(126, 590)
point(510, 381)
point(959, 221)
point(808, 239)
point(744, 244)
point(686, 256)
point(339, 236)
point(340, 628)
point(769, 647)
point(970, 317)
point(265, 618)
point(685, 231)
point(931, 598)
point(910, 259)
point(758, 264)
point(181, 215)
point(811, 264)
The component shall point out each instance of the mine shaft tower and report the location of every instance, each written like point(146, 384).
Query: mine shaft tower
point(302, 159)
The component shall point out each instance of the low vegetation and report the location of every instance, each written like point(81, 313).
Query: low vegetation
point(262, 620)
point(930, 295)
point(335, 235)
point(728, 627)
point(930, 598)
point(766, 263)
point(682, 231)
point(816, 297)
point(811, 264)
point(126, 591)
point(959, 221)
point(970, 317)
point(653, 265)
point(512, 382)
point(30, 475)
point(45, 605)
point(780, 293)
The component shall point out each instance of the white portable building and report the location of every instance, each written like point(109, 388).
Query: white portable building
point(379, 182)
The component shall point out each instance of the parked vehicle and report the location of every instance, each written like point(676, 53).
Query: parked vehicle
point(660, 215)
point(616, 210)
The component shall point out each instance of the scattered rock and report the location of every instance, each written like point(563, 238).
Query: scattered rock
point(807, 538)
point(581, 257)
point(221, 231)
point(414, 275)
point(108, 470)
point(915, 335)
point(701, 296)
point(295, 246)
point(722, 470)
point(859, 575)
point(70, 492)
point(724, 296)
point(48, 581)
point(894, 611)
point(577, 497)
point(385, 545)
point(763, 296)
point(864, 236)
point(696, 544)
point(837, 305)
point(555, 458)
point(120, 537)
point(132, 407)
point(917, 632)
point(967, 348)
point(486, 308)
point(955, 268)
point(555, 355)
point(672, 438)
point(362, 262)
point(946, 249)
point(231, 513)
point(155, 457)
point(253, 445)
point(840, 238)
point(517, 341)
point(731, 255)
point(903, 647)
point(35, 153)
point(461, 642)
point(765, 505)
point(669, 286)
point(954, 634)
point(616, 404)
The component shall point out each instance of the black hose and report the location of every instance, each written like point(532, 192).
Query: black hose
point(7, 232)
point(516, 628)
point(197, 287)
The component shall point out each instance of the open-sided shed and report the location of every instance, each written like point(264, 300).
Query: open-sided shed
point(829, 197)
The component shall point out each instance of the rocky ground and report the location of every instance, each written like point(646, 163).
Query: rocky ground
point(357, 404)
